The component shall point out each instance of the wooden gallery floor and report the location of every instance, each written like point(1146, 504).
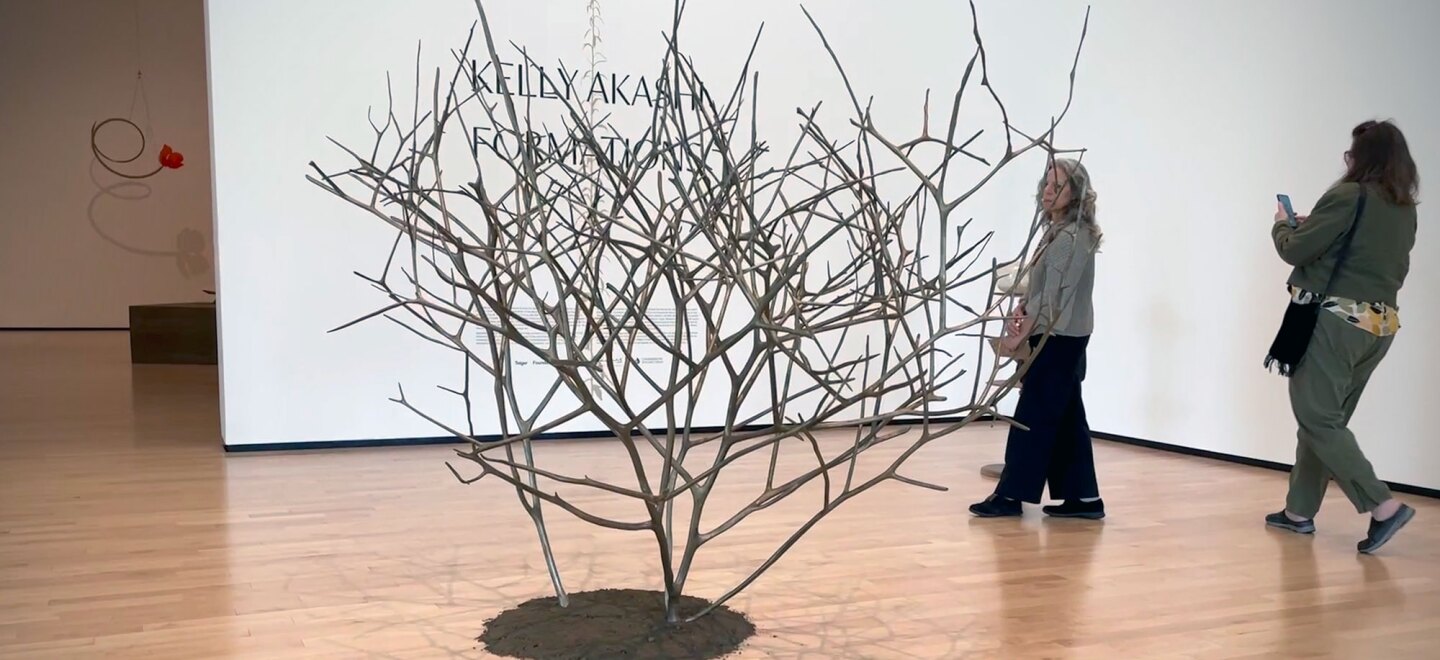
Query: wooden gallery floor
point(125, 532)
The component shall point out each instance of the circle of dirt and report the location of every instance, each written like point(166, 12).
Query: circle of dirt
point(614, 623)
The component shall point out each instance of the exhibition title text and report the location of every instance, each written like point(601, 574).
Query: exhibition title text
point(560, 83)
point(576, 87)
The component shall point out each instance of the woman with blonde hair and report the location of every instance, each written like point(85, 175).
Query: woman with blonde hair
point(1056, 318)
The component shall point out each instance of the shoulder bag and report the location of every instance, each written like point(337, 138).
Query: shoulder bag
point(1298, 325)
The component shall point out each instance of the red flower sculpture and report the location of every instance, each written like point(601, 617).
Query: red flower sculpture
point(171, 158)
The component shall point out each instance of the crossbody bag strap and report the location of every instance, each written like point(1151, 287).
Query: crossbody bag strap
point(1345, 247)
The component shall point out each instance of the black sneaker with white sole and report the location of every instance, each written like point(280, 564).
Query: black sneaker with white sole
point(1381, 531)
point(1282, 521)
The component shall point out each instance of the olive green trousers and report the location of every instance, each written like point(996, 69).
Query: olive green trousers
point(1324, 391)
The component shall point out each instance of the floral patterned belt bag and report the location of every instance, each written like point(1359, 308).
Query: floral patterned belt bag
point(1299, 324)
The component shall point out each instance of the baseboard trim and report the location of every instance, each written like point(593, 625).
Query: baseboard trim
point(339, 444)
point(1243, 460)
point(66, 329)
point(452, 440)
point(591, 435)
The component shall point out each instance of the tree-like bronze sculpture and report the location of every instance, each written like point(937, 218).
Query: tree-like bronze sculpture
point(799, 292)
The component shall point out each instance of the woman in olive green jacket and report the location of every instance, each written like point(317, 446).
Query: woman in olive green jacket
point(1359, 317)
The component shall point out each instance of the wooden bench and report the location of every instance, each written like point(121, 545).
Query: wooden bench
point(176, 333)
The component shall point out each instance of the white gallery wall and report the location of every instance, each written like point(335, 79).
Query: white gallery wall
point(287, 257)
point(1194, 115)
point(78, 244)
point(1199, 113)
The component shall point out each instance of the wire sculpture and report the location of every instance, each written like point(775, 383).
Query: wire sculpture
point(557, 256)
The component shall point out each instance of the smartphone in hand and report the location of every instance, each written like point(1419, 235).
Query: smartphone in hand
point(1289, 210)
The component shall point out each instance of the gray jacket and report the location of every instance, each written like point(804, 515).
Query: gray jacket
point(1062, 286)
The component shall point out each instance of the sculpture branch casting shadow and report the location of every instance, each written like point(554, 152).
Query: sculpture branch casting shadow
point(801, 293)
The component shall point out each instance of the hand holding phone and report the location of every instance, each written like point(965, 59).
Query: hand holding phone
point(1286, 212)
